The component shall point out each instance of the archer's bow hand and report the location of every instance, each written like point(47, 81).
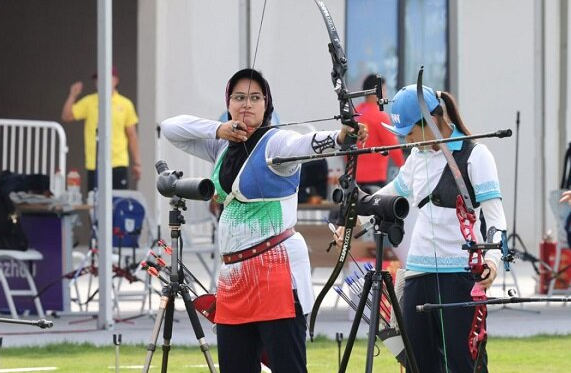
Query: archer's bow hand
point(489, 274)
point(362, 134)
point(338, 237)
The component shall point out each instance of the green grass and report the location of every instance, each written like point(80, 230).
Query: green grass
point(523, 355)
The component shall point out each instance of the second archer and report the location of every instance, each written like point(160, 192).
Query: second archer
point(436, 264)
point(264, 285)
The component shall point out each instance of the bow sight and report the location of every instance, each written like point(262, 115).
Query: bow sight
point(377, 91)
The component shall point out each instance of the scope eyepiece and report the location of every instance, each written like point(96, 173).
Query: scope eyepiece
point(161, 167)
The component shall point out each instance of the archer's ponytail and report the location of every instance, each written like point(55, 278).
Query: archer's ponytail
point(453, 112)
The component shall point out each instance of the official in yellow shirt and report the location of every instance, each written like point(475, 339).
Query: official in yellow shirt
point(123, 131)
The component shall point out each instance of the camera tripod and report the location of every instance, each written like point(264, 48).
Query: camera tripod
point(374, 281)
point(171, 289)
point(514, 236)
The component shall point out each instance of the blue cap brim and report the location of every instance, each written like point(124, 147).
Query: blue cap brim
point(402, 132)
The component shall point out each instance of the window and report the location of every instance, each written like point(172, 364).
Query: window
point(425, 42)
point(394, 38)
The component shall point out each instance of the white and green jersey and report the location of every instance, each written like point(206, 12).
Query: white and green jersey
point(263, 200)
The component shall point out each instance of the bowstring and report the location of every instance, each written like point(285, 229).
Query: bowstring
point(268, 215)
point(434, 248)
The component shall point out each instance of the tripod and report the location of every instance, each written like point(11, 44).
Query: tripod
point(169, 293)
point(374, 281)
point(514, 236)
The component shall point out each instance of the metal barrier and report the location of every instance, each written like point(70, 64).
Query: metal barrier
point(32, 146)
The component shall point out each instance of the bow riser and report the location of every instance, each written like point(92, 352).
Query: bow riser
point(348, 196)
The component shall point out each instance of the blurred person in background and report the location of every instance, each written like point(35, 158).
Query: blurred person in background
point(123, 134)
point(372, 169)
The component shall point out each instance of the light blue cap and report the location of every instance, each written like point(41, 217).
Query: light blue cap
point(405, 110)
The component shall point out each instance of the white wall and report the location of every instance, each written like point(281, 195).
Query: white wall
point(500, 71)
point(495, 80)
point(197, 50)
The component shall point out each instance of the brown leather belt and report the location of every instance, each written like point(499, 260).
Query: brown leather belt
point(259, 248)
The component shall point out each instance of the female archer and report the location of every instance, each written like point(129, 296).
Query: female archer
point(436, 264)
point(264, 285)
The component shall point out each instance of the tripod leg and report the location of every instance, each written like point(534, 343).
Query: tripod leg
point(525, 255)
point(355, 325)
point(376, 283)
point(165, 298)
point(167, 333)
point(197, 327)
point(398, 314)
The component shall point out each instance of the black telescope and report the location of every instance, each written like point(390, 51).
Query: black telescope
point(170, 184)
point(389, 208)
point(388, 214)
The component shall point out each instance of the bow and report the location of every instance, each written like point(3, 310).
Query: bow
point(466, 217)
point(348, 193)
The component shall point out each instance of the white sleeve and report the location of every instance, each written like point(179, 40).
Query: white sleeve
point(388, 190)
point(483, 174)
point(194, 135)
point(494, 214)
point(290, 144)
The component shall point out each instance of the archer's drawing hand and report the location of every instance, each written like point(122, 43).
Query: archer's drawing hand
point(232, 130)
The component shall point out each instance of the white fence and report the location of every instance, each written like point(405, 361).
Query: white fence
point(32, 147)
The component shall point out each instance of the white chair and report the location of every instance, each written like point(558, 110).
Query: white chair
point(200, 238)
point(22, 259)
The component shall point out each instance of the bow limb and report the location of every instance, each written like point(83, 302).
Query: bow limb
point(349, 192)
point(338, 72)
point(347, 118)
point(466, 216)
point(345, 252)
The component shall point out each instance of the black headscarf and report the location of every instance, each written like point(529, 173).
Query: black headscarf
point(257, 77)
point(238, 152)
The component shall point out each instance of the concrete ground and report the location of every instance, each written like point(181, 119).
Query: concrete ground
point(513, 320)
